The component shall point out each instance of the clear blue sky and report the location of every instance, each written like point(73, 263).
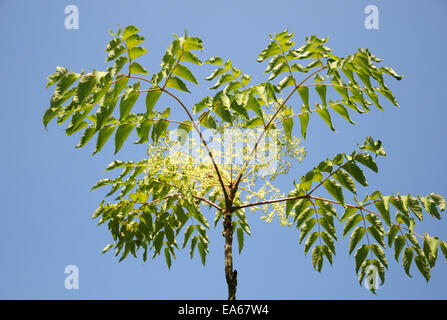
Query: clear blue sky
point(45, 200)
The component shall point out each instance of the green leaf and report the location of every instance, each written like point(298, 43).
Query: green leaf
point(375, 221)
point(310, 241)
point(135, 67)
point(415, 207)
point(214, 60)
point(413, 239)
point(300, 204)
point(159, 130)
point(304, 121)
point(243, 222)
point(206, 120)
point(271, 50)
point(143, 129)
point(217, 217)
point(232, 86)
point(126, 251)
point(254, 122)
point(274, 62)
point(328, 240)
point(240, 238)
point(355, 172)
point(307, 227)
point(328, 225)
point(239, 109)
point(215, 73)
point(245, 80)
point(190, 57)
point(373, 146)
point(399, 244)
point(335, 190)
point(63, 91)
point(328, 209)
point(341, 110)
point(356, 237)
point(278, 69)
point(168, 257)
point(119, 164)
point(205, 102)
point(151, 99)
point(345, 180)
point(121, 135)
point(431, 249)
point(291, 203)
point(192, 43)
point(349, 211)
point(303, 214)
point(129, 30)
point(392, 232)
point(115, 53)
point(360, 256)
point(186, 126)
point(223, 79)
point(133, 41)
point(391, 72)
point(407, 258)
point(137, 52)
point(443, 246)
point(304, 94)
point(49, 115)
point(85, 87)
point(324, 114)
point(158, 241)
point(107, 248)
point(400, 202)
point(252, 104)
point(128, 100)
point(380, 254)
point(88, 134)
point(421, 263)
point(202, 252)
point(377, 235)
point(193, 245)
point(285, 82)
point(384, 208)
point(367, 160)
point(222, 111)
point(176, 83)
point(185, 73)
point(351, 222)
point(317, 258)
point(387, 94)
point(103, 135)
point(169, 233)
point(325, 250)
point(430, 206)
point(200, 217)
point(288, 126)
point(439, 200)
point(321, 90)
point(56, 76)
point(188, 232)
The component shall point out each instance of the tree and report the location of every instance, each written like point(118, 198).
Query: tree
point(187, 169)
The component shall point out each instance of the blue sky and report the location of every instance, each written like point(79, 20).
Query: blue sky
point(46, 203)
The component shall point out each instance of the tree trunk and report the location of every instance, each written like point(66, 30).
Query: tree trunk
point(230, 275)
